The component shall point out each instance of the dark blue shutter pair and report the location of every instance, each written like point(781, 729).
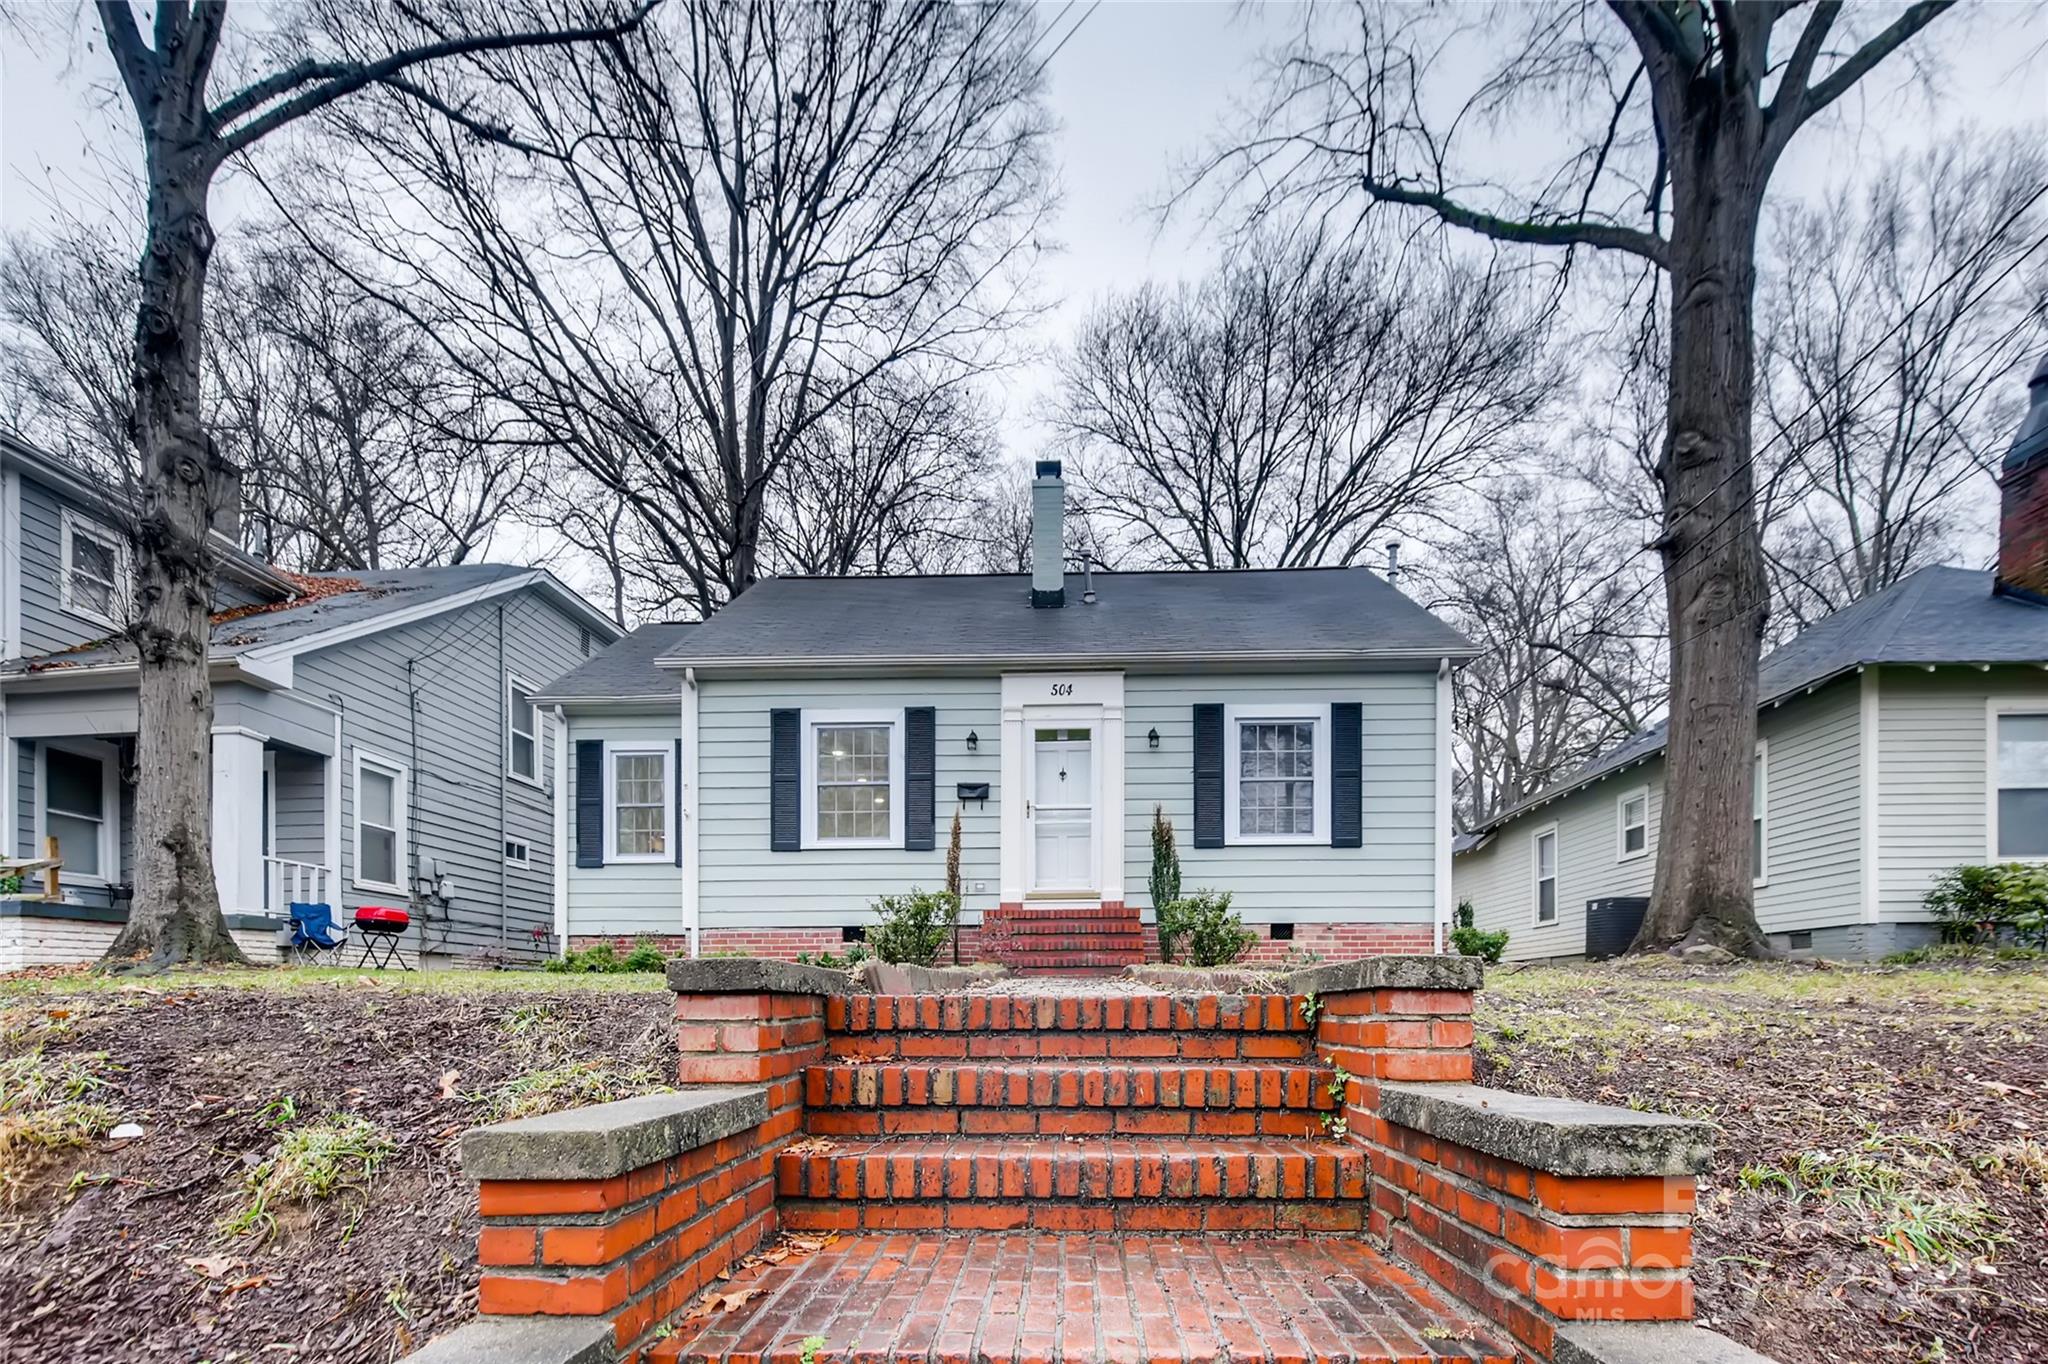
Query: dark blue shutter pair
point(785, 779)
point(1347, 773)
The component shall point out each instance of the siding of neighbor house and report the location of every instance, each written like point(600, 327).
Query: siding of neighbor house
point(460, 767)
point(745, 885)
point(1933, 775)
point(1812, 826)
point(622, 897)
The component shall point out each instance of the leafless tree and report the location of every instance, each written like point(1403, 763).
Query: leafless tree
point(1676, 115)
point(1293, 406)
point(1567, 666)
point(189, 131)
point(707, 253)
point(1890, 319)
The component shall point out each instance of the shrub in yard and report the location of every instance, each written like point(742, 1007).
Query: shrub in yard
point(1203, 926)
point(604, 959)
point(1165, 883)
point(1476, 942)
point(1974, 904)
point(914, 927)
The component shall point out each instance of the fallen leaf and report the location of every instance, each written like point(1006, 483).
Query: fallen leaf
point(448, 1079)
point(253, 1281)
point(212, 1266)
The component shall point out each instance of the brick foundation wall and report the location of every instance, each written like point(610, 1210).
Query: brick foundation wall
point(1331, 942)
point(636, 1248)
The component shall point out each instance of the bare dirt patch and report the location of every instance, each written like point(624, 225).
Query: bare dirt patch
point(1880, 1191)
point(163, 1247)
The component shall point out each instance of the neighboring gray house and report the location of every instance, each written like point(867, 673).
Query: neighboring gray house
point(756, 781)
point(373, 737)
point(1900, 737)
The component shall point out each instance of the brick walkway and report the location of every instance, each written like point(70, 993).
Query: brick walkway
point(1122, 1300)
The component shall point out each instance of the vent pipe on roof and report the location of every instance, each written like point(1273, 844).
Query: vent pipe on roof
point(2023, 500)
point(1394, 564)
point(1048, 536)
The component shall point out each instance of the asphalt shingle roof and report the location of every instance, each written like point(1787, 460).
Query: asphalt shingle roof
point(367, 595)
point(624, 671)
point(1931, 616)
point(1283, 615)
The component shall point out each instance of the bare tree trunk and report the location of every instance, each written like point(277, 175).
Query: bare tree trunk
point(1715, 589)
point(176, 912)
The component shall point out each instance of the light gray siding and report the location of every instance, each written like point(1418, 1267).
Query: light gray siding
point(1812, 824)
point(1388, 880)
point(622, 897)
point(1934, 775)
point(744, 885)
point(452, 742)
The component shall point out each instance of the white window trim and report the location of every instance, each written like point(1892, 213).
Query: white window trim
point(614, 749)
point(110, 803)
point(813, 721)
point(401, 813)
point(72, 526)
point(1236, 716)
point(1622, 826)
point(1996, 707)
point(1536, 877)
point(526, 861)
point(1761, 799)
point(513, 680)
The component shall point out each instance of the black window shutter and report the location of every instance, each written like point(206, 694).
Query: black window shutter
point(675, 788)
point(589, 802)
point(1208, 776)
point(1347, 775)
point(785, 780)
point(920, 788)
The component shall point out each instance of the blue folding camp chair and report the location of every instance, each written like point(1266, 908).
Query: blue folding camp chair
point(314, 932)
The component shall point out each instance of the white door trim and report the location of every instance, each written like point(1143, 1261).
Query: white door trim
point(1062, 700)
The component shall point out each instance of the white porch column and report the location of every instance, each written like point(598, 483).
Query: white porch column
point(1110, 815)
point(1010, 793)
point(238, 819)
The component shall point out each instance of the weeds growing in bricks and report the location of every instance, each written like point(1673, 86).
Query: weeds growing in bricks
point(1336, 1125)
point(310, 1163)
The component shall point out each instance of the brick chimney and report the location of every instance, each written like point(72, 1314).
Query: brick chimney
point(2023, 500)
point(1048, 535)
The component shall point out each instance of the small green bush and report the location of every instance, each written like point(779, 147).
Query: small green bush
point(914, 927)
point(1473, 942)
point(854, 955)
point(1987, 905)
point(603, 959)
point(1203, 925)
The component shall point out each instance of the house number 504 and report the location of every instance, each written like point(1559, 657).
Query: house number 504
point(1062, 689)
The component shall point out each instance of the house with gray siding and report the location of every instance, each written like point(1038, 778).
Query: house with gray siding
point(1897, 739)
point(756, 781)
point(374, 737)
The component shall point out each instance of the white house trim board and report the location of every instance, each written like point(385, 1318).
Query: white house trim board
point(1441, 821)
point(688, 827)
point(1994, 707)
point(866, 718)
point(1063, 700)
point(561, 816)
point(1760, 813)
point(401, 809)
point(238, 817)
point(1867, 739)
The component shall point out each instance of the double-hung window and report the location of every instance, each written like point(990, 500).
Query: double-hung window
point(522, 731)
point(853, 779)
point(2020, 786)
point(1277, 772)
point(1545, 869)
point(77, 811)
point(638, 808)
point(1632, 813)
point(94, 581)
point(381, 798)
point(1759, 812)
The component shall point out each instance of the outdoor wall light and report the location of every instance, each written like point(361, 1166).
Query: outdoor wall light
point(1151, 738)
point(973, 742)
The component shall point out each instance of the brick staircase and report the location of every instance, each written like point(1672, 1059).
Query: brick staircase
point(1087, 940)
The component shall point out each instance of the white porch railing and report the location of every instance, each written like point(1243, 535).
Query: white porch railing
point(286, 882)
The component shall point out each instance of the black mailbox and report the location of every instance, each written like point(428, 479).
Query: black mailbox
point(972, 790)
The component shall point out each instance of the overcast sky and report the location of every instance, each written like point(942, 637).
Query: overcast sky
point(1135, 88)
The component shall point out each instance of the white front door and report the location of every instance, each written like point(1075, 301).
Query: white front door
point(1060, 808)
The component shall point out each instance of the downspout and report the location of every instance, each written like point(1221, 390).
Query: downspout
point(561, 855)
point(686, 816)
point(504, 763)
point(1441, 910)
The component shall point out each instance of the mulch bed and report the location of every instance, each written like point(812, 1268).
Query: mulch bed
point(137, 1269)
point(1925, 1085)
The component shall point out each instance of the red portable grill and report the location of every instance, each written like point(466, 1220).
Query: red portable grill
point(382, 926)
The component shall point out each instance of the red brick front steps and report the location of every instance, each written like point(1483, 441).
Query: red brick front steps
point(1039, 1299)
point(1088, 940)
point(1488, 1217)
